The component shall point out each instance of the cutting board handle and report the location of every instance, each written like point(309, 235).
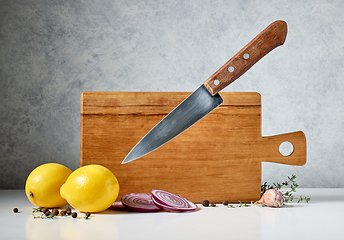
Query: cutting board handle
point(272, 153)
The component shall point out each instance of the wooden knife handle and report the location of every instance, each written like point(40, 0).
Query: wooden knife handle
point(271, 37)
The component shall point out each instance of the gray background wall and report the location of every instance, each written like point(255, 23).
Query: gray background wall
point(52, 51)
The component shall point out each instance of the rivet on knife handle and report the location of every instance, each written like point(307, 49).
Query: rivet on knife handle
point(271, 37)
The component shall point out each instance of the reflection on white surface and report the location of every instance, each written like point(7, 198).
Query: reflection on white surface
point(40, 229)
point(59, 227)
point(321, 219)
point(203, 224)
point(208, 223)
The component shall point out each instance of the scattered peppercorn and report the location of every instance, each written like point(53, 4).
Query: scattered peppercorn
point(45, 209)
point(15, 210)
point(74, 215)
point(213, 205)
point(47, 213)
point(63, 213)
point(225, 202)
point(55, 212)
point(205, 203)
point(69, 211)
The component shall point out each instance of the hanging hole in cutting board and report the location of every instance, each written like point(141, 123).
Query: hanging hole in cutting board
point(286, 148)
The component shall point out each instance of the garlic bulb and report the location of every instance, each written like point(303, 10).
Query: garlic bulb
point(272, 198)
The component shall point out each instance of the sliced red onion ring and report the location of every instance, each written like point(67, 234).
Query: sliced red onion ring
point(139, 202)
point(191, 207)
point(171, 202)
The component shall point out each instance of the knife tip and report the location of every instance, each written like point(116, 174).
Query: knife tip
point(128, 159)
point(132, 155)
point(125, 161)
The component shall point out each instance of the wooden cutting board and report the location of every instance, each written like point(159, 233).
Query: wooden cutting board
point(218, 158)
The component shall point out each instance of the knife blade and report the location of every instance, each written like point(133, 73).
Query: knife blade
point(206, 98)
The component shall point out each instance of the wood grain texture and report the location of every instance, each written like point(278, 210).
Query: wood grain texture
point(218, 158)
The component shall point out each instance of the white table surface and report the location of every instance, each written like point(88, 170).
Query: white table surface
point(321, 218)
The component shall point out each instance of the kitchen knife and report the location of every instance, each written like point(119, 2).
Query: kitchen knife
point(206, 97)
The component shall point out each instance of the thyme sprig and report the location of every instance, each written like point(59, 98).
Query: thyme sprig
point(288, 195)
point(38, 213)
point(35, 210)
point(241, 204)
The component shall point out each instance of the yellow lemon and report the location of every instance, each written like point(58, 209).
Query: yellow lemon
point(43, 185)
point(91, 188)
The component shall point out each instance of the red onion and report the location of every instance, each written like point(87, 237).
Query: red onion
point(139, 202)
point(172, 202)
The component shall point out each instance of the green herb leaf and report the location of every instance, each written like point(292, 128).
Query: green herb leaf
point(51, 216)
point(36, 210)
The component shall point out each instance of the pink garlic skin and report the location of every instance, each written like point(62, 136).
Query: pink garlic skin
point(272, 198)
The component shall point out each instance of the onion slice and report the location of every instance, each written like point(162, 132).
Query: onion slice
point(139, 202)
point(172, 202)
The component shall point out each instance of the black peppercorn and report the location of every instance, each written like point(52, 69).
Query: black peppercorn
point(55, 212)
point(69, 211)
point(225, 202)
point(205, 203)
point(213, 205)
point(74, 215)
point(45, 209)
point(15, 210)
point(47, 213)
point(87, 214)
